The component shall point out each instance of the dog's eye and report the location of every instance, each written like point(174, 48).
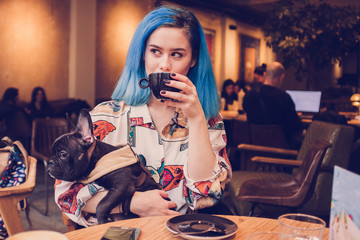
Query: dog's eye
point(63, 154)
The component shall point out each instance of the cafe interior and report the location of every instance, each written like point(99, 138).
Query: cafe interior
point(76, 50)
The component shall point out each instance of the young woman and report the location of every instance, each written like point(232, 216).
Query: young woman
point(39, 106)
point(181, 142)
point(259, 76)
point(228, 96)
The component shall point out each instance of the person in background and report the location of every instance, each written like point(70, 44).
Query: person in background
point(228, 96)
point(268, 104)
point(39, 107)
point(259, 76)
point(181, 142)
point(17, 123)
point(9, 101)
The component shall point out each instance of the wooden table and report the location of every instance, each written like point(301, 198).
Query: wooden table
point(231, 115)
point(154, 228)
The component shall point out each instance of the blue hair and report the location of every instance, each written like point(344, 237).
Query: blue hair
point(202, 76)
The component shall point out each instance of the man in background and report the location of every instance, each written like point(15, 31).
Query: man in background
point(268, 104)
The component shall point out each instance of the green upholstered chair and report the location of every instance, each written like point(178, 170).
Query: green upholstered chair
point(340, 137)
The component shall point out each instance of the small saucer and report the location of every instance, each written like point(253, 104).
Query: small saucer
point(227, 226)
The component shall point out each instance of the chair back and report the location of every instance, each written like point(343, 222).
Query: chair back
point(341, 138)
point(9, 198)
point(270, 135)
point(285, 189)
point(44, 133)
point(308, 171)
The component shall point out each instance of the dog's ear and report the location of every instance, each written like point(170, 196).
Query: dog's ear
point(85, 127)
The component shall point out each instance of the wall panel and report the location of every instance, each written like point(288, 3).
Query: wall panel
point(34, 44)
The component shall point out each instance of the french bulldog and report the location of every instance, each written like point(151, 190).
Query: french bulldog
point(75, 155)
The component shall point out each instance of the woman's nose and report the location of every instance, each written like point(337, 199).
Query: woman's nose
point(165, 64)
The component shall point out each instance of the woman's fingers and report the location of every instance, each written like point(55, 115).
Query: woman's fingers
point(187, 99)
point(185, 86)
point(165, 196)
point(152, 203)
point(182, 78)
point(178, 96)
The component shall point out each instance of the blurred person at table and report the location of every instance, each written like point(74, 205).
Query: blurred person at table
point(268, 104)
point(39, 107)
point(228, 96)
point(259, 76)
point(9, 101)
point(181, 142)
point(8, 106)
point(17, 123)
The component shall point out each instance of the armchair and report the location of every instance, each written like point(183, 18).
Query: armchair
point(288, 190)
point(340, 137)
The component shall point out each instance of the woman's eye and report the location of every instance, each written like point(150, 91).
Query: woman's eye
point(155, 51)
point(63, 154)
point(177, 54)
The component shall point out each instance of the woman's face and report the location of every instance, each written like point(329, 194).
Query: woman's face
point(168, 50)
point(236, 89)
point(258, 78)
point(39, 96)
point(229, 89)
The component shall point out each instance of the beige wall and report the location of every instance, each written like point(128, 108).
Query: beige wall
point(82, 50)
point(34, 44)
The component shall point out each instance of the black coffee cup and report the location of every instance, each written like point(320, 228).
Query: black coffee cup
point(156, 83)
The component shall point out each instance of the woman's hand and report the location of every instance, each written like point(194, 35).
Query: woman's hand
point(201, 158)
point(187, 98)
point(152, 203)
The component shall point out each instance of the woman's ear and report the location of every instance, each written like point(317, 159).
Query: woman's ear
point(193, 62)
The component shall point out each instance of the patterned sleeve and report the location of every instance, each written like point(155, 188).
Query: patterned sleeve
point(71, 198)
point(202, 194)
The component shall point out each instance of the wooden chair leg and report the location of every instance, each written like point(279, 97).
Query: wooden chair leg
point(10, 215)
point(27, 212)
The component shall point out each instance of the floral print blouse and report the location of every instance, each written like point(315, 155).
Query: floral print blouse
point(165, 155)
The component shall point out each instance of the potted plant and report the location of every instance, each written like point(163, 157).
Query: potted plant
point(305, 34)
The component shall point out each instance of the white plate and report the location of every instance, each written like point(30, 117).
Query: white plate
point(38, 235)
point(228, 226)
